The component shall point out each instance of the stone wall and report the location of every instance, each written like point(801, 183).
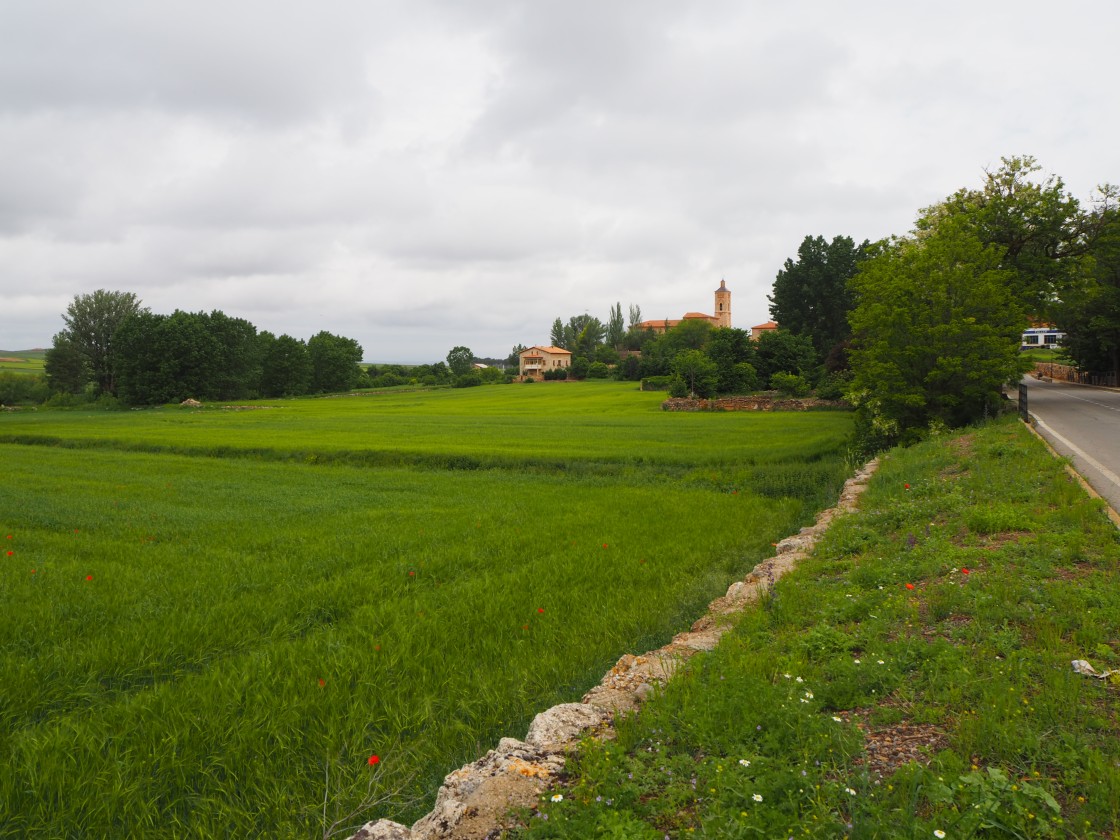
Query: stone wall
point(758, 402)
point(478, 801)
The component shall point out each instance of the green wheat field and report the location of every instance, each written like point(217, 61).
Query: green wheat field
point(212, 619)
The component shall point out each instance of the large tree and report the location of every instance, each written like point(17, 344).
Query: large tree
point(698, 372)
point(936, 328)
point(616, 327)
point(731, 348)
point(1089, 312)
point(781, 351)
point(459, 360)
point(65, 366)
point(91, 320)
point(1038, 227)
point(334, 362)
point(285, 366)
point(811, 295)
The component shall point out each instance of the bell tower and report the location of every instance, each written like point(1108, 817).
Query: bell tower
point(723, 305)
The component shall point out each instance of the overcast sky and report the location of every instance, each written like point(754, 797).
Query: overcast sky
point(422, 174)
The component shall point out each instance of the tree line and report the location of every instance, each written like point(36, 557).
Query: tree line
point(925, 329)
point(113, 347)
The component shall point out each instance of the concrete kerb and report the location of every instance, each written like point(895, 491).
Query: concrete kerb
point(477, 801)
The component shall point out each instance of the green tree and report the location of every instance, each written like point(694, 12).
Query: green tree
point(513, 360)
point(582, 334)
point(616, 329)
point(66, 367)
point(1040, 231)
point(811, 296)
point(1089, 312)
point(557, 334)
point(936, 332)
point(780, 351)
point(236, 370)
point(335, 362)
point(91, 320)
point(635, 318)
point(730, 347)
point(165, 358)
point(697, 371)
point(459, 360)
point(285, 366)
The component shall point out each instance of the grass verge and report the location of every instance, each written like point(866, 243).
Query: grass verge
point(911, 679)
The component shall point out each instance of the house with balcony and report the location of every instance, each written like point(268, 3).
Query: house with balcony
point(534, 361)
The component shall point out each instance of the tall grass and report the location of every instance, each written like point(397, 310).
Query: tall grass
point(912, 679)
point(210, 646)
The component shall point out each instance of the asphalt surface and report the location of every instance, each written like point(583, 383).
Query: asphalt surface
point(1082, 424)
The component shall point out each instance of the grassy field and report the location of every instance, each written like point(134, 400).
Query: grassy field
point(912, 679)
point(214, 618)
point(22, 361)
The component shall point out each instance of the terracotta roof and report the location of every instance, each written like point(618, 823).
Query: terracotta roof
point(769, 325)
point(553, 350)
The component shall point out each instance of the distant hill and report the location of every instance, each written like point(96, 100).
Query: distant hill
point(37, 353)
point(22, 361)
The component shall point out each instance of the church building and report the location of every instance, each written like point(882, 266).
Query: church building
point(721, 316)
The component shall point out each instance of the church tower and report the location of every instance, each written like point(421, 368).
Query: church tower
point(723, 305)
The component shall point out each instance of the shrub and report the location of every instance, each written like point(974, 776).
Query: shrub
point(656, 383)
point(468, 380)
point(834, 385)
point(598, 370)
point(677, 387)
point(790, 384)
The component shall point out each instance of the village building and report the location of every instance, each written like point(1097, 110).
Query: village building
point(769, 326)
point(534, 361)
point(721, 316)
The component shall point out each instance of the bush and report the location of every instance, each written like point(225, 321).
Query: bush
point(834, 385)
point(677, 387)
point(656, 383)
point(790, 384)
point(555, 374)
point(468, 380)
point(22, 388)
point(598, 370)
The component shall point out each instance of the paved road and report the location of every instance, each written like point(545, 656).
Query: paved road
point(1083, 424)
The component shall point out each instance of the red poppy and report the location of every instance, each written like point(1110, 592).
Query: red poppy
point(89, 577)
point(412, 574)
point(964, 571)
point(9, 536)
point(10, 553)
point(32, 571)
point(524, 626)
point(540, 609)
point(909, 586)
point(377, 647)
point(604, 545)
point(374, 760)
point(734, 492)
point(322, 682)
point(907, 486)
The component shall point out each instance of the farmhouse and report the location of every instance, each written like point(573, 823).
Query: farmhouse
point(721, 317)
point(534, 361)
